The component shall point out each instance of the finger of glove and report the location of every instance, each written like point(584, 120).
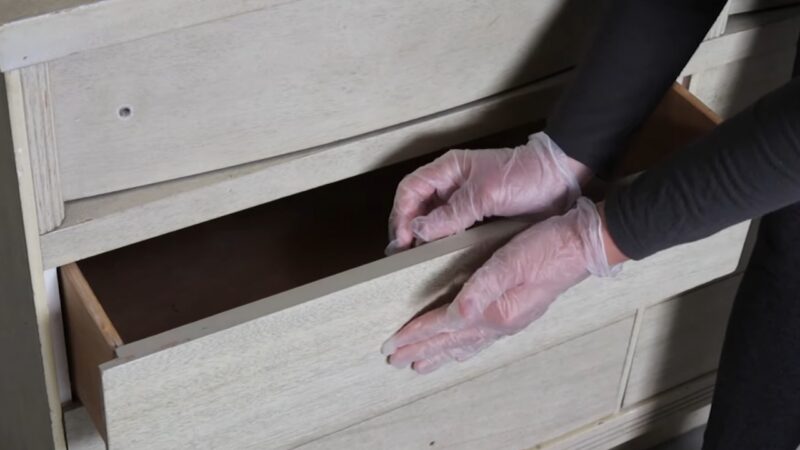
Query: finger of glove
point(426, 366)
point(422, 328)
point(462, 210)
point(445, 343)
point(498, 275)
point(414, 193)
point(518, 308)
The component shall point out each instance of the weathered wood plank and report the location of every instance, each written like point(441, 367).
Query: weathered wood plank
point(364, 66)
point(685, 403)
point(30, 411)
point(517, 406)
point(100, 224)
point(42, 147)
point(334, 377)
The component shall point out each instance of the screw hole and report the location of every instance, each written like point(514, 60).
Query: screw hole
point(125, 112)
point(432, 443)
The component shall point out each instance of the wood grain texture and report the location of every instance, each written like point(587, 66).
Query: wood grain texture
point(517, 406)
point(101, 224)
point(324, 381)
point(92, 341)
point(50, 31)
point(668, 429)
point(42, 146)
point(306, 73)
point(677, 405)
point(30, 411)
point(732, 87)
point(671, 414)
point(680, 339)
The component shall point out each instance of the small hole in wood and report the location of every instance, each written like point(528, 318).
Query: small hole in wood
point(125, 112)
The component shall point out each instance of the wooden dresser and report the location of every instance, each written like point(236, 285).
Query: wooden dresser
point(193, 204)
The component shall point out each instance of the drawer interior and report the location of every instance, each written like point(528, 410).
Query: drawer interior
point(157, 285)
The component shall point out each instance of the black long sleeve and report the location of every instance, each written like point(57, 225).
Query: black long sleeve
point(638, 51)
point(748, 166)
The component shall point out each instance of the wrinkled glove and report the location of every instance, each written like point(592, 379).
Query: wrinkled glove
point(510, 291)
point(462, 187)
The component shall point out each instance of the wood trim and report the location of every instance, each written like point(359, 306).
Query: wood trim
point(92, 341)
point(102, 23)
point(639, 419)
point(100, 224)
point(30, 411)
point(42, 146)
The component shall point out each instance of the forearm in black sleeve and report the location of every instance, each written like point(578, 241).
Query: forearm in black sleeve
point(638, 51)
point(746, 167)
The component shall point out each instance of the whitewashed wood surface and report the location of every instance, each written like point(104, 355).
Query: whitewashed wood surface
point(313, 351)
point(518, 406)
point(680, 339)
point(276, 81)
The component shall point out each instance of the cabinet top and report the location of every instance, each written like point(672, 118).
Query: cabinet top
point(35, 31)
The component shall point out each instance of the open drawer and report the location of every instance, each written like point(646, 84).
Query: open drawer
point(263, 328)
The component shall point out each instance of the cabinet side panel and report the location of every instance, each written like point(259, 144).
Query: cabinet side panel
point(30, 413)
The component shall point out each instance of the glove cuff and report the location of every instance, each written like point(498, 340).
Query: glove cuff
point(559, 158)
point(590, 227)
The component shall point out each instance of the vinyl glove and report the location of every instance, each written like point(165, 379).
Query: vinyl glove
point(510, 291)
point(462, 187)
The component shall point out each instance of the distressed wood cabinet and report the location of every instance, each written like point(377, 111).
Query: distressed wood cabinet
point(211, 180)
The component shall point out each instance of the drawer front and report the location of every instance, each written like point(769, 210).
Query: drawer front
point(517, 406)
point(680, 339)
point(730, 88)
point(303, 364)
point(289, 77)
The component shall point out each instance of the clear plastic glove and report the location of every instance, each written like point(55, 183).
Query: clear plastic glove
point(462, 187)
point(510, 291)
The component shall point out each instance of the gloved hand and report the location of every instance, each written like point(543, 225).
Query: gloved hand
point(510, 291)
point(462, 187)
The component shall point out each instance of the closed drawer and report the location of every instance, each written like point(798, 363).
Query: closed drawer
point(262, 329)
point(291, 76)
point(680, 339)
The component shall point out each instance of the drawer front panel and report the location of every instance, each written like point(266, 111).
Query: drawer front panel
point(289, 77)
point(518, 406)
point(680, 339)
point(262, 376)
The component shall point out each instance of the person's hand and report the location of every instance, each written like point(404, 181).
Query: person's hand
point(462, 187)
point(510, 291)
